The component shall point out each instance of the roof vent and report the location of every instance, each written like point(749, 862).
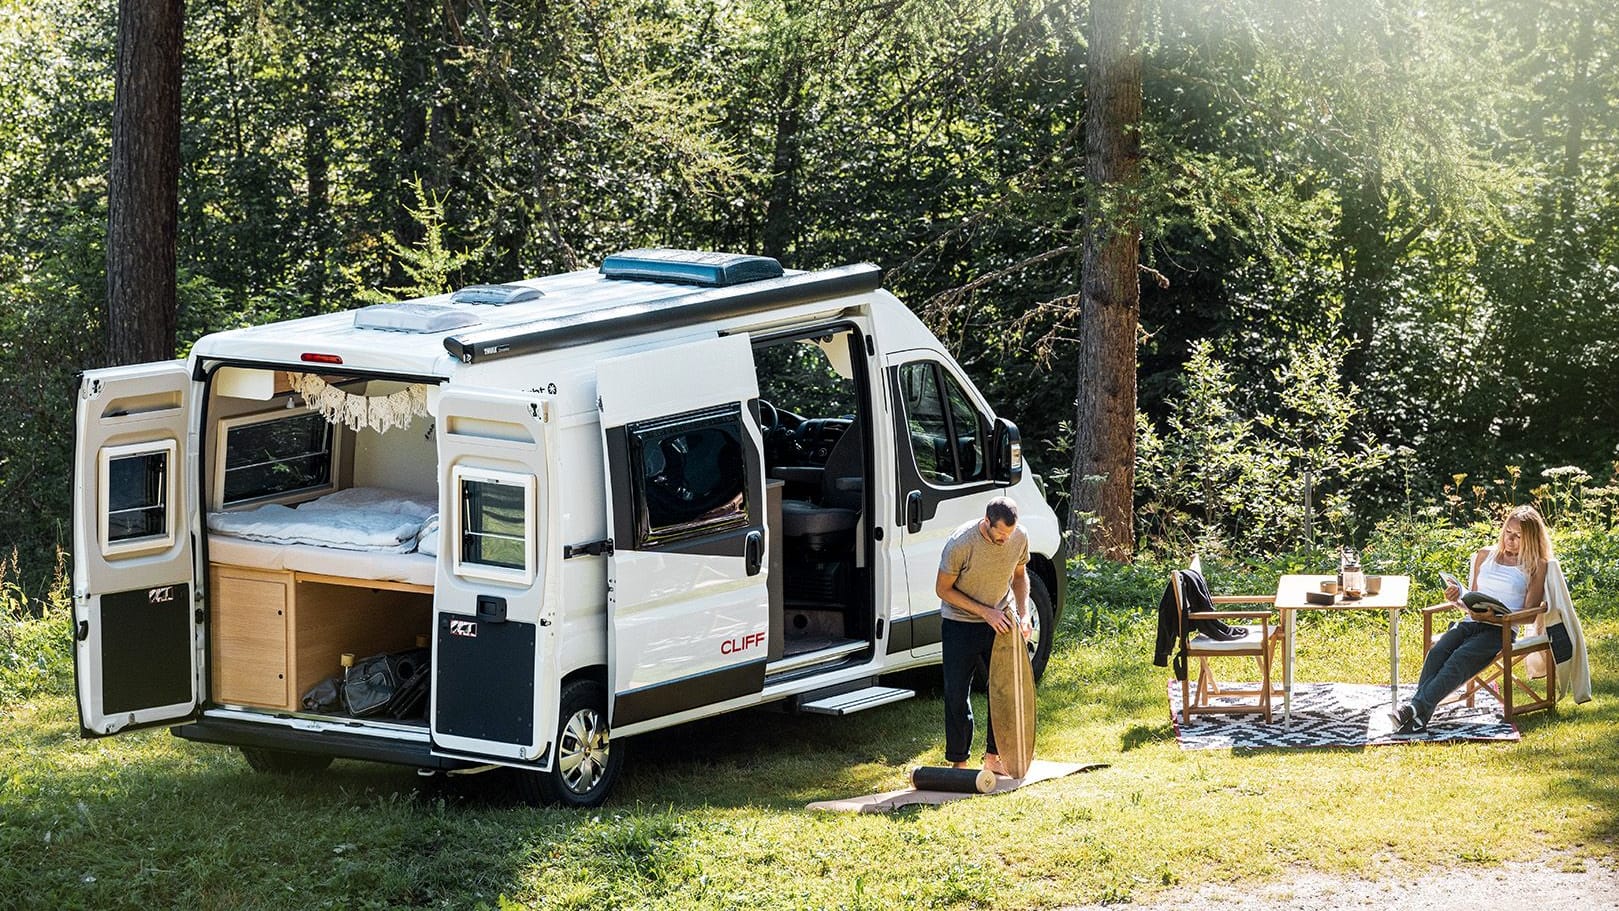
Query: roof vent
point(495, 295)
point(417, 318)
point(690, 267)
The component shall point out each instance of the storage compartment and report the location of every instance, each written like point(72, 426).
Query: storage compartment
point(278, 633)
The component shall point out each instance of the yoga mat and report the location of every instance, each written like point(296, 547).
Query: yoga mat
point(958, 781)
point(888, 801)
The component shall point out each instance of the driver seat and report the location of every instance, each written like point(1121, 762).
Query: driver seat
point(828, 526)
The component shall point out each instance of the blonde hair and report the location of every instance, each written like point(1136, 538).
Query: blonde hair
point(1537, 543)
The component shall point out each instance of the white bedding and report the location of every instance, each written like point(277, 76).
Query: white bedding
point(359, 518)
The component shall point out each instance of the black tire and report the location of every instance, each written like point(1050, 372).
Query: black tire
point(587, 760)
point(1039, 643)
point(280, 762)
point(1045, 625)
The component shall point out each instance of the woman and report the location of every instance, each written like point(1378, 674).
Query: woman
point(1512, 572)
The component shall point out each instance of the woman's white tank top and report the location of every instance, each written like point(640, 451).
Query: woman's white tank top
point(1506, 584)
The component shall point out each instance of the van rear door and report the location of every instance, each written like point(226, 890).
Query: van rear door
point(137, 619)
point(688, 608)
point(497, 588)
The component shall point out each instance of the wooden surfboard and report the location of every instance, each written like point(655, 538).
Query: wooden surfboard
point(1011, 701)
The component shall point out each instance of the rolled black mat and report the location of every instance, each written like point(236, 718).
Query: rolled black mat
point(957, 781)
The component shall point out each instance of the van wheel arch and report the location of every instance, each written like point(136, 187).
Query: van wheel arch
point(587, 760)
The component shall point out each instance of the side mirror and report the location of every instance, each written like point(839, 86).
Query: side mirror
point(1006, 453)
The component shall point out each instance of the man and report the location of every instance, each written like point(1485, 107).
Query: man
point(982, 573)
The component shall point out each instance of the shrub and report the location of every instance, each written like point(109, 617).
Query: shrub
point(36, 645)
point(1223, 473)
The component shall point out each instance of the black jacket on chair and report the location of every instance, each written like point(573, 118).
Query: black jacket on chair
point(1196, 594)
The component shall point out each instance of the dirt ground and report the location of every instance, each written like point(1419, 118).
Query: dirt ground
point(1555, 883)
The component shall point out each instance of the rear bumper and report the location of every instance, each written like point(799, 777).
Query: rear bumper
point(339, 744)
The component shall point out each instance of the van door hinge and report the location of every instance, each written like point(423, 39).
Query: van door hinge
point(593, 549)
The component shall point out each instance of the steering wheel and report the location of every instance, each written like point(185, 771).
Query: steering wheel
point(769, 418)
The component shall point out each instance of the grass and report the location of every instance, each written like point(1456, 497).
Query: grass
point(711, 815)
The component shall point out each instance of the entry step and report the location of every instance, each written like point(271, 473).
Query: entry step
point(856, 700)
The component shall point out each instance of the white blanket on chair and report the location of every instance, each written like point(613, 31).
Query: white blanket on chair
point(1573, 668)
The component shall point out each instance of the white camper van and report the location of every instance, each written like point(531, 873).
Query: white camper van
point(562, 511)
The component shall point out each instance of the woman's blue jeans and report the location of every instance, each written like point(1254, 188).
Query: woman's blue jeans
point(963, 644)
point(1464, 650)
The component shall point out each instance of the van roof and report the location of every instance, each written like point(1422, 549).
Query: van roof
point(426, 336)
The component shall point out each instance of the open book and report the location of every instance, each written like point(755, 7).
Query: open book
point(1478, 601)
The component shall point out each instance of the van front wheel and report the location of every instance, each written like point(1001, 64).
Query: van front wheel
point(587, 759)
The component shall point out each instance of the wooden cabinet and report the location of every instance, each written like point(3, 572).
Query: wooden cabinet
point(250, 633)
point(276, 634)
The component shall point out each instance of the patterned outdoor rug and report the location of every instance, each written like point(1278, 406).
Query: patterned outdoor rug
point(1336, 715)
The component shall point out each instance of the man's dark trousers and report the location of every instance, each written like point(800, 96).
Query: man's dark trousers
point(964, 645)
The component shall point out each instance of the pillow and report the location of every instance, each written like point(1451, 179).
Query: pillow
point(427, 538)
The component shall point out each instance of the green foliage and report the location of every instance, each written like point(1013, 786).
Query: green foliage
point(36, 639)
point(1425, 189)
point(1222, 473)
point(429, 267)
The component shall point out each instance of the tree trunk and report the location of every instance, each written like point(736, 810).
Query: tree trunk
point(143, 183)
point(780, 210)
point(415, 87)
point(1102, 508)
point(317, 171)
point(1574, 135)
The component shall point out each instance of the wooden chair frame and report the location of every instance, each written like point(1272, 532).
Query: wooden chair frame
point(1262, 650)
point(1507, 674)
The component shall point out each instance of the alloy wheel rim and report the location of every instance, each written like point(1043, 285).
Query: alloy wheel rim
point(1036, 632)
point(583, 750)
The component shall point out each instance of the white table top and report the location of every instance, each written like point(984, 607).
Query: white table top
point(1394, 594)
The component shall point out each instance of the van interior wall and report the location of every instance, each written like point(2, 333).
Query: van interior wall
point(404, 458)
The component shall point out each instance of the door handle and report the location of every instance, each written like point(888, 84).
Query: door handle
point(913, 511)
point(753, 552)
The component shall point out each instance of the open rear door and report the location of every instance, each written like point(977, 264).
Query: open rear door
point(689, 611)
point(495, 595)
point(138, 626)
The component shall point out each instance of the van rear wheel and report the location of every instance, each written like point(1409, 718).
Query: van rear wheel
point(281, 762)
point(587, 759)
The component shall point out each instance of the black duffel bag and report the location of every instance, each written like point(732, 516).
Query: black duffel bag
point(371, 686)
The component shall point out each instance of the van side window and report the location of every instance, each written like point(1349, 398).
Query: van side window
point(689, 474)
point(280, 454)
point(947, 433)
point(137, 487)
point(494, 525)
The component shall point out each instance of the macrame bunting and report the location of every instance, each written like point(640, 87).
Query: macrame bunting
point(378, 412)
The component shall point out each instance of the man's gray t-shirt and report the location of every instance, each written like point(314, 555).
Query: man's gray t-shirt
point(983, 569)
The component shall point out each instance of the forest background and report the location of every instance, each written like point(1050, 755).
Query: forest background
point(1379, 248)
